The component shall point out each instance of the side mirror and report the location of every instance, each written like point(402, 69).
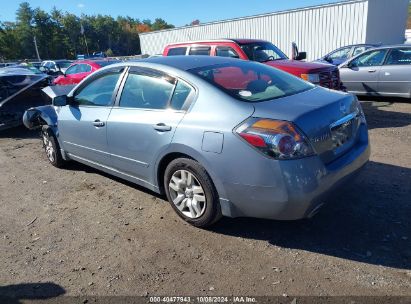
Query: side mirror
point(301, 56)
point(60, 101)
point(350, 65)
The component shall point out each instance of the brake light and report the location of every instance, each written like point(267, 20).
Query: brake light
point(275, 138)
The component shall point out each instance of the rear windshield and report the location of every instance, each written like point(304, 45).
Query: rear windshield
point(251, 81)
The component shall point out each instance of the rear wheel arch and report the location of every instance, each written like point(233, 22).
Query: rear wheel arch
point(162, 165)
point(183, 151)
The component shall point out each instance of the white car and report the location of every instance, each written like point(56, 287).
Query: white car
point(55, 66)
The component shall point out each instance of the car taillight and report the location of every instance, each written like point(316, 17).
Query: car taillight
point(276, 138)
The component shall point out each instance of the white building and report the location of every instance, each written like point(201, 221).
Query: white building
point(316, 30)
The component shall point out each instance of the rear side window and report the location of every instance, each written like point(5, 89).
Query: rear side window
point(181, 92)
point(399, 57)
point(99, 91)
point(177, 51)
point(200, 50)
point(146, 91)
point(225, 51)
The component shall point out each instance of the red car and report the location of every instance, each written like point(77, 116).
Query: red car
point(262, 51)
point(81, 69)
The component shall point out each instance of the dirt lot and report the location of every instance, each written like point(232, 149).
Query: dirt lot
point(85, 233)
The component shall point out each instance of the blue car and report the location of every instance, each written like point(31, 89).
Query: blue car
point(344, 53)
point(218, 136)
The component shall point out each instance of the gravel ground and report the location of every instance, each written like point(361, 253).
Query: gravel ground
point(77, 231)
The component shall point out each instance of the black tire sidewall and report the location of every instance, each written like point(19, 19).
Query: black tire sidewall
point(212, 213)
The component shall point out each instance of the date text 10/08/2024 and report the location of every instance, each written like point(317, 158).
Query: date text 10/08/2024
point(206, 299)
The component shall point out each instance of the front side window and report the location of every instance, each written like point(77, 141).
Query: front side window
point(72, 70)
point(252, 82)
point(372, 58)
point(200, 50)
point(147, 91)
point(84, 68)
point(399, 57)
point(99, 91)
point(177, 51)
point(262, 51)
point(340, 54)
point(226, 51)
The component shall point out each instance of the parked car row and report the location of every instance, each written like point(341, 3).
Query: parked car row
point(344, 53)
point(261, 51)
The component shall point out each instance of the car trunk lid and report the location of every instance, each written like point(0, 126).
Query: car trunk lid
point(329, 119)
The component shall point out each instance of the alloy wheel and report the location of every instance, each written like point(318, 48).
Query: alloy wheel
point(187, 194)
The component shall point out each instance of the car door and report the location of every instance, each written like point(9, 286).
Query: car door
point(143, 122)
point(395, 75)
point(360, 75)
point(66, 79)
point(82, 123)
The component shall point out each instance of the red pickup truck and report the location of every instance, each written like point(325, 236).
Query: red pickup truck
point(262, 51)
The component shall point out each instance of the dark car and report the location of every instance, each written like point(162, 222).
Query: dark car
point(20, 89)
point(344, 53)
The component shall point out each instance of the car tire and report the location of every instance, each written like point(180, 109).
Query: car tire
point(191, 192)
point(52, 147)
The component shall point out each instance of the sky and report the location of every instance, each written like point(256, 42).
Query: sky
point(177, 12)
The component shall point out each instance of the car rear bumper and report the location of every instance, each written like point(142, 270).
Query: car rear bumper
point(303, 187)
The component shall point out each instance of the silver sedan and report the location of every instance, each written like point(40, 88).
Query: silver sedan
point(383, 71)
point(217, 136)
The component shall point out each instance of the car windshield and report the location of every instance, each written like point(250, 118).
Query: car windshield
point(251, 81)
point(262, 51)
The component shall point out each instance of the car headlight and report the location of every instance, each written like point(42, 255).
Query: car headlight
point(314, 78)
point(275, 138)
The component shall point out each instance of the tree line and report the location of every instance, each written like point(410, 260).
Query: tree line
point(64, 35)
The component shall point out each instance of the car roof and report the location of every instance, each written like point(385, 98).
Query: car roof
point(186, 62)
point(238, 41)
point(394, 46)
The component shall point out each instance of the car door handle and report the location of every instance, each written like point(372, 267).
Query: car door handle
point(372, 71)
point(98, 123)
point(161, 127)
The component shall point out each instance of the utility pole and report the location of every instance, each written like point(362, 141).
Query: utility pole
point(37, 50)
point(84, 36)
